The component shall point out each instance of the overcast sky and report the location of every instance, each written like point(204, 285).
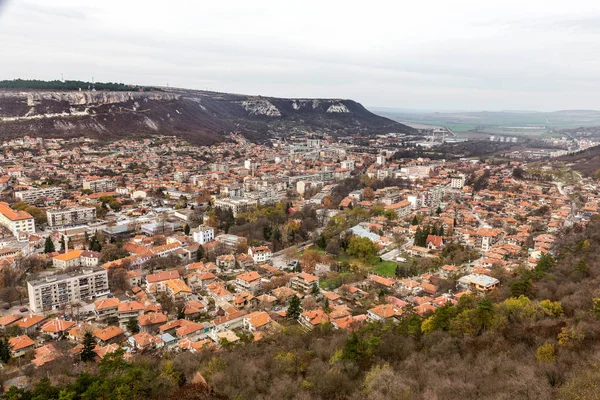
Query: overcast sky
point(470, 55)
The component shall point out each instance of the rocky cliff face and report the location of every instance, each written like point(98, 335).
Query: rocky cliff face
point(196, 115)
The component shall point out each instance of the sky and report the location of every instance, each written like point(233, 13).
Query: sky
point(446, 55)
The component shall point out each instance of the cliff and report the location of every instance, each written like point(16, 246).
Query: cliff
point(198, 116)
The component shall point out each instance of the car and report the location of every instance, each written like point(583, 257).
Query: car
point(23, 309)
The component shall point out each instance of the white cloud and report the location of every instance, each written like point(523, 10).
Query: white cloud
point(432, 54)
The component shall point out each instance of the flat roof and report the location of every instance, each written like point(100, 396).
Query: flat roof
point(59, 277)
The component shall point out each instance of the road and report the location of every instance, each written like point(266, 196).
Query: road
point(279, 258)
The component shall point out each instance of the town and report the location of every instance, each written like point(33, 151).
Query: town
point(155, 245)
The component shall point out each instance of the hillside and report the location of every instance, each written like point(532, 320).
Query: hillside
point(534, 338)
point(198, 116)
point(586, 162)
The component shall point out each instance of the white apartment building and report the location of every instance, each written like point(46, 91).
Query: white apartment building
point(236, 205)
point(203, 234)
point(16, 221)
point(458, 181)
point(99, 185)
point(50, 292)
point(32, 196)
point(70, 216)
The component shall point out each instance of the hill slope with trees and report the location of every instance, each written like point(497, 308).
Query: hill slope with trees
point(534, 338)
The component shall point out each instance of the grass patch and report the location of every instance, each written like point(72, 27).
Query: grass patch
point(385, 268)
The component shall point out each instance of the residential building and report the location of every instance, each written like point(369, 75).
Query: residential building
point(33, 196)
point(99, 185)
point(203, 234)
point(70, 216)
point(16, 221)
point(236, 206)
point(106, 308)
point(50, 292)
point(260, 254)
point(248, 281)
point(304, 282)
point(71, 258)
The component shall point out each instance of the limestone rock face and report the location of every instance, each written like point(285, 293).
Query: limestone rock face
point(199, 116)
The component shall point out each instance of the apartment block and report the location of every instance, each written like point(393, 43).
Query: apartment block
point(33, 196)
point(70, 216)
point(51, 292)
point(99, 185)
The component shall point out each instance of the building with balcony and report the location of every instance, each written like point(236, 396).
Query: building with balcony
point(50, 292)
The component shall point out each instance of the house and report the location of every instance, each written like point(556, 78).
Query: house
point(384, 312)
point(245, 261)
point(192, 346)
point(304, 282)
point(77, 333)
point(19, 345)
point(381, 281)
point(157, 282)
point(45, 354)
point(145, 341)
point(150, 323)
point(487, 237)
point(71, 258)
point(255, 321)
point(193, 309)
point(134, 278)
point(106, 308)
point(184, 328)
point(101, 352)
point(226, 261)
point(203, 234)
point(8, 320)
point(479, 282)
point(434, 242)
point(89, 259)
point(313, 318)
point(128, 310)
point(177, 289)
point(110, 334)
point(30, 323)
point(248, 281)
point(260, 254)
point(57, 328)
point(349, 322)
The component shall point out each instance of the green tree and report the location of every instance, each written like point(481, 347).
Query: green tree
point(321, 242)
point(439, 210)
point(390, 214)
point(132, 326)
point(362, 248)
point(294, 309)
point(49, 246)
point(4, 351)
point(315, 289)
point(186, 229)
point(200, 253)
point(545, 262)
point(89, 344)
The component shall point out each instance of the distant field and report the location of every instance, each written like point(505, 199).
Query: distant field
point(501, 122)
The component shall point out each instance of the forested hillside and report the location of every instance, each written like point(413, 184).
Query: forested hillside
point(535, 338)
